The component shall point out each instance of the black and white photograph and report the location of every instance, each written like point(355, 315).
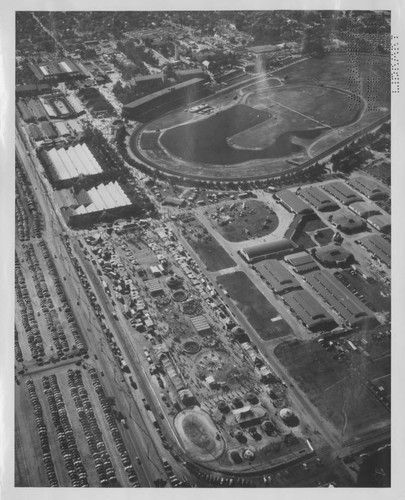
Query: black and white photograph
point(202, 248)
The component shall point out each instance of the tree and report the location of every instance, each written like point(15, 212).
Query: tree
point(313, 42)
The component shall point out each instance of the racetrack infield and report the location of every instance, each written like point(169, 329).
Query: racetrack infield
point(271, 129)
point(197, 433)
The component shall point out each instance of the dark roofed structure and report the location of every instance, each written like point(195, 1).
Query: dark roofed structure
point(309, 311)
point(347, 222)
point(332, 255)
point(277, 276)
point(365, 209)
point(342, 192)
point(379, 247)
point(369, 187)
point(265, 250)
point(318, 199)
point(337, 296)
point(381, 222)
point(292, 202)
point(302, 262)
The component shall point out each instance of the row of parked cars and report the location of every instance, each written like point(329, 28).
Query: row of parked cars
point(79, 341)
point(17, 348)
point(105, 405)
point(94, 437)
point(28, 320)
point(43, 435)
point(51, 315)
point(67, 442)
point(26, 226)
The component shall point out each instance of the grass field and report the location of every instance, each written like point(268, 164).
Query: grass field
point(338, 392)
point(254, 305)
point(256, 220)
point(329, 106)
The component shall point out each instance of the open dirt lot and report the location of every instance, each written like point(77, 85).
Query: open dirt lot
point(339, 392)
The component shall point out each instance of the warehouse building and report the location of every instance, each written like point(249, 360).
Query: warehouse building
point(201, 325)
point(342, 192)
point(277, 276)
point(292, 202)
point(61, 128)
point(365, 209)
point(35, 132)
point(308, 311)
point(378, 247)
point(57, 71)
point(302, 262)
point(70, 163)
point(337, 296)
point(271, 249)
point(48, 130)
point(380, 222)
point(318, 199)
point(369, 187)
point(102, 202)
point(32, 89)
point(347, 222)
point(332, 255)
point(164, 100)
point(154, 287)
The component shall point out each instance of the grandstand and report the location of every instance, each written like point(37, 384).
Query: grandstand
point(164, 100)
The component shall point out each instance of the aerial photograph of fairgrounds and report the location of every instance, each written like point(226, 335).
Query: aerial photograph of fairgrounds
point(202, 249)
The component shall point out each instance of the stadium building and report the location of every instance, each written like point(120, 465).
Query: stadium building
point(380, 222)
point(365, 209)
point(332, 255)
point(347, 222)
point(353, 312)
point(301, 262)
point(164, 100)
point(378, 247)
point(277, 276)
point(267, 250)
point(369, 187)
point(342, 192)
point(292, 202)
point(308, 311)
point(318, 199)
